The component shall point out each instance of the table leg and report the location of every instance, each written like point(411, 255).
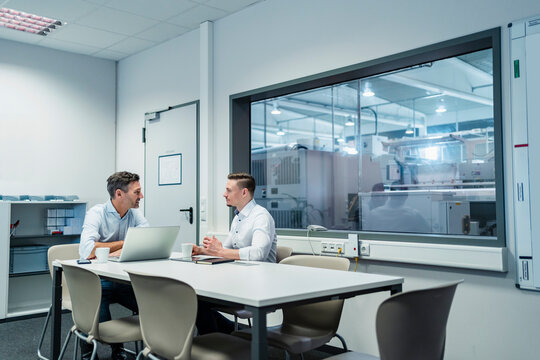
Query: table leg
point(396, 289)
point(56, 312)
point(259, 342)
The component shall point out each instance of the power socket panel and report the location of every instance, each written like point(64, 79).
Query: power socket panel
point(346, 248)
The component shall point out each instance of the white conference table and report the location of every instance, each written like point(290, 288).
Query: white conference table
point(258, 287)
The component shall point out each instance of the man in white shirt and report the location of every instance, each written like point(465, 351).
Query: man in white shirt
point(105, 225)
point(252, 237)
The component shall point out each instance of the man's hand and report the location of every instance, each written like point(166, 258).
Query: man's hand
point(212, 246)
point(197, 250)
point(116, 253)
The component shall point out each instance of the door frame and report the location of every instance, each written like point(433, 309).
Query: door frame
point(149, 116)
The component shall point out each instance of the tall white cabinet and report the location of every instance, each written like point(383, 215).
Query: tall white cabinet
point(525, 90)
point(25, 281)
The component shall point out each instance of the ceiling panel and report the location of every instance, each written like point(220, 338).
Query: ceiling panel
point(230, 5)
point(199, 14)
point(114, 29)
point(131, 45)
point(162, 32)
point(84, 35)
point(155, 9)
point(68, 46)
point(116, 21)
point(110, 54)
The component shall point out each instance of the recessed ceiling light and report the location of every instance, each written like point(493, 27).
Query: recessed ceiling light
point(440, 109)
point(30, 23)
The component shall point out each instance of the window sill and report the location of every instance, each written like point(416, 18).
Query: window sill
point(459, 256)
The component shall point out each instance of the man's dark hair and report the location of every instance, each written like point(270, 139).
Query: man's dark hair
point(244, 181)
point(120, 180)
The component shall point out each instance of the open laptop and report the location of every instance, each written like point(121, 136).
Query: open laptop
point(147, 243)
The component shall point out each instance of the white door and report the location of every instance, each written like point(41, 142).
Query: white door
point(171, 171)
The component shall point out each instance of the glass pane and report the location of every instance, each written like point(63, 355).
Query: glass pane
point(410, 151)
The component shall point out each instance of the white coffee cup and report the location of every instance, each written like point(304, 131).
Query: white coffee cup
point(102, 255)
point(186, 250)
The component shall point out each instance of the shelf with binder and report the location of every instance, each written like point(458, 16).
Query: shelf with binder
point(27, 230)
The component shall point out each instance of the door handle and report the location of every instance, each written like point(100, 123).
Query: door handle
point(190, 210)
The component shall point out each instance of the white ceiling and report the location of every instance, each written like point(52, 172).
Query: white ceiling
point(114, 29)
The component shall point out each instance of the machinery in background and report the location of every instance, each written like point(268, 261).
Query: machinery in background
point(300, 187)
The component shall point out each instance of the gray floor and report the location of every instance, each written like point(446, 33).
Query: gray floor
point(19, 339)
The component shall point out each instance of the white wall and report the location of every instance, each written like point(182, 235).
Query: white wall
point(165, 75)
point(280, 40)
point(57, 122)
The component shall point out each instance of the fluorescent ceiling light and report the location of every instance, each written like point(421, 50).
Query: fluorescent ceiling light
point(349, 122)
point(280, 132)
point(275, 110)
point(440, 109)
point(409, 130)
point(30, 23)
point(367, 92)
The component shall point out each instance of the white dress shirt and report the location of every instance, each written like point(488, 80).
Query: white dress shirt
point(253, 232)
point(103, 224)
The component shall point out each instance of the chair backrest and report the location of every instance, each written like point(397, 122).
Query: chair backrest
point(283, 252)
point(85, 289)
point(323, 316)
point(412, 325)
point(63, 252)
point(167, 312)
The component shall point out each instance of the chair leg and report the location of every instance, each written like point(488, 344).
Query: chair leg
point(287, 355)
point(235, 323)
point(64, 346)
point(94, 350)
point(43, 335)
point(249, 322)
point(75, 349)
point(342, 342)
point(140, 356)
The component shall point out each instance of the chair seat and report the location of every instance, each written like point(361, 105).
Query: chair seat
point(351, 355)
point(240, 313)
point(218, 346)
point(120, 330)
point(295, 340)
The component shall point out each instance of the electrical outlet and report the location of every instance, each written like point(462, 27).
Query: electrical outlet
point(364, 249)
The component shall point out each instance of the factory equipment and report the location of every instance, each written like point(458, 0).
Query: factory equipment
point(300, 187)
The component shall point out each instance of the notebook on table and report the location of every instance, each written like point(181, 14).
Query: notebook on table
point(211, 261)
point(147, 243)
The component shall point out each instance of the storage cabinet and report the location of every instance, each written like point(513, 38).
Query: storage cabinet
point(25, 282)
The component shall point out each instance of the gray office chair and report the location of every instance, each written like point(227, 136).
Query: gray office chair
point(85, 289)
point(167, 310)
point(307, 327)
point(411, 325)
point(58, 252)
point(282, 252)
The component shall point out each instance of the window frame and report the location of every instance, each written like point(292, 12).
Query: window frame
point(240, 124)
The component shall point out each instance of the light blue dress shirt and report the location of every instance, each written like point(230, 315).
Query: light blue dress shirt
point(253, 232)
point(103, 224)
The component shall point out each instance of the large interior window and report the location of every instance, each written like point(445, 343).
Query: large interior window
point(413, 150)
